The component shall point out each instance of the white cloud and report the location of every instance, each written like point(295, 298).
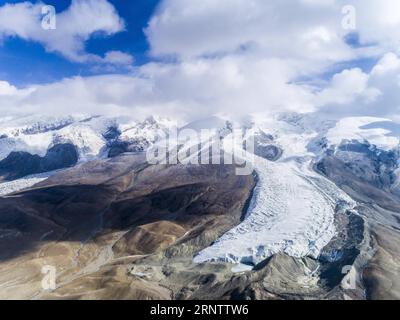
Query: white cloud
point(74, 27)
point(389, 63)
point(293, 28)
point(6, 89)
point(378, 22)
point(201, 87)
point(345, 87)
point(353, 92)
point(118, 57)
point(286, 28)
point(187, 90)
point(385, 76)
point(234, 56)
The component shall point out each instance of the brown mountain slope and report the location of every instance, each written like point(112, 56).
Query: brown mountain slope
point(91, 222)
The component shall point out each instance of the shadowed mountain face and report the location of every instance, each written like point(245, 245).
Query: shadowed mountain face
point(20, 164)
point(367, 175)
point(85, 218)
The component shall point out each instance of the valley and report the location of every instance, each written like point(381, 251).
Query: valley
point(120, 228)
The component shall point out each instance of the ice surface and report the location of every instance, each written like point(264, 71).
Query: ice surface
point(291, 211)
point(292, 208)
point(23, 183)
point(239, 268)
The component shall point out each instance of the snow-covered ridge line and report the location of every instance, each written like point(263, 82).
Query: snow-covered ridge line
point(292, 208)
point(36, 134)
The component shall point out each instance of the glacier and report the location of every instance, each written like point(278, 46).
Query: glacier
point(23, 183)
point(291, 211)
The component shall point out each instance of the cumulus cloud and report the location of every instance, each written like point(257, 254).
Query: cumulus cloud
point(378, 23)
point(118, 57)
point(385, 76)
point(203, 87)
point(346, 87)
point(235, 56)
point(294, 28)
point(74, 27)
point(286, 28)
point(6, 89)
point(354, 92)
point(186, 90)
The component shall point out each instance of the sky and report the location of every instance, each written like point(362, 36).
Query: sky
point(25, 62)
point(191, 59)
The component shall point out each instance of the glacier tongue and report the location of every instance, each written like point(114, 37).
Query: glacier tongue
point(23, 183)
point(292, 211)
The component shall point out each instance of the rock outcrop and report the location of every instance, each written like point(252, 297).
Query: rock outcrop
point(19, 164)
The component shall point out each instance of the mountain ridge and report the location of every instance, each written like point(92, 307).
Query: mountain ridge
point(347, 192)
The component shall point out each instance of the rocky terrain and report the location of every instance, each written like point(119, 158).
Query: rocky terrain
point(370, 181)
point(19, 164)
point(318, 218)
point(116, 214)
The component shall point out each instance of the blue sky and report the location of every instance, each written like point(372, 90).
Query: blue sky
point(25, 62)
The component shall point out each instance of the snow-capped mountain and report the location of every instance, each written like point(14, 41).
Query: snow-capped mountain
point(293, 205)
point(319, 187)
point(93, 136)
point(36, 134)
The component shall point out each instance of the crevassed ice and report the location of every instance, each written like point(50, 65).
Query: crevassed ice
point(292, 211)
point(23, 183)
